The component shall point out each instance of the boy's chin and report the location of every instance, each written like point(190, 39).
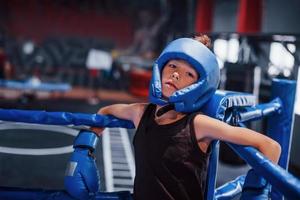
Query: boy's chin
point(168, 92)
point(166, 96)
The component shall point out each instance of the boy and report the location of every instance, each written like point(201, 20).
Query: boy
point(172, 140)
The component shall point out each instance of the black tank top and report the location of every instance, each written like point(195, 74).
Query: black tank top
point(169, 163)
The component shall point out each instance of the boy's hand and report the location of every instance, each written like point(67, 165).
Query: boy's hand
point(97, 130)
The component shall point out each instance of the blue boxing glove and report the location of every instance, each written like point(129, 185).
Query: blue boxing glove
point(82, 178)
point(255, 187)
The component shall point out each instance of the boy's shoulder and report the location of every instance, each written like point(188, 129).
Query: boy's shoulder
point(200, 118)
point(139, 107)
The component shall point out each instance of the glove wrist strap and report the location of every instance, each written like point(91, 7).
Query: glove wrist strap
point(87, 139)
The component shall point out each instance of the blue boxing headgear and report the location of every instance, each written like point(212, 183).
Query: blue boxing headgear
point(192, 97)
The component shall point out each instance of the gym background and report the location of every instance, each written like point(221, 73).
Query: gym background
point(104, 50)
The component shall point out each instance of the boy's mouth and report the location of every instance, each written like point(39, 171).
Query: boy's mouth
point(169, 83)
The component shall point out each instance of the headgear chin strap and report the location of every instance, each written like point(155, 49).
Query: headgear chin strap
point(192, 97)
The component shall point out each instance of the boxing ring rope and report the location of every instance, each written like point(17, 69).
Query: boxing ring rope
point(286, 183)
point(63, 118)
point(254, 158)
point(31, 84)
point(277, 176)
point(281, 116)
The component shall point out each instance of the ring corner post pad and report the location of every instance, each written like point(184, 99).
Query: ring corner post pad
point(217, 107)
point(280, 125)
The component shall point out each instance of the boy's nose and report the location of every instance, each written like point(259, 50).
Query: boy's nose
point(175, 75)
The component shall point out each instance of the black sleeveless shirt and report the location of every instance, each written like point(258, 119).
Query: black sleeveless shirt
point(169, 163)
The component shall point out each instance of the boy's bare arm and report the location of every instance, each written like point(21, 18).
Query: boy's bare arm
point(132, 112)
point(206, 127)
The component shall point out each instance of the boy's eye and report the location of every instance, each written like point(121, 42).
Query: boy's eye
point(190, 74)
point(172, 65)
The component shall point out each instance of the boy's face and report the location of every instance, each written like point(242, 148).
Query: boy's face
point(177, 74)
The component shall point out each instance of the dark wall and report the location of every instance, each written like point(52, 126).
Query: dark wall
point(278, 16)
point(41, 19)
point(281, 16)
point(225, 16)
